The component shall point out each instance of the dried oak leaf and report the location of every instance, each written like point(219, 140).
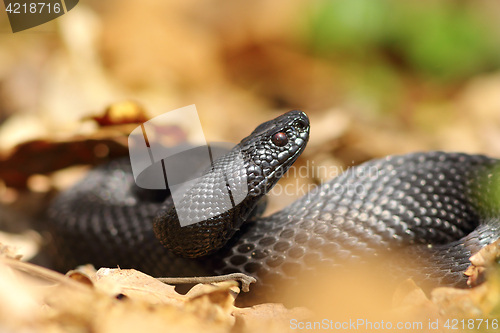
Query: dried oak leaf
point(205, 304)
point(98, 312)
point(135, 285)
point(212, 303)
point(129, 301)
point(473, 303)
point(483, 262)
point(91, 304)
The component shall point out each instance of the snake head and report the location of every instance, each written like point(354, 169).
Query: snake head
point(272, 148)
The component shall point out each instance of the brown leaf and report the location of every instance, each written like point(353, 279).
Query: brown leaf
point(136, 285)
point(478, 302)
point(482, 263)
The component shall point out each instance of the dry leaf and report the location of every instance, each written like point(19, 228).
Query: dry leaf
point(135, 285)
point(480, 302)
point(486, 260)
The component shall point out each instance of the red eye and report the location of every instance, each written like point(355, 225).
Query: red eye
point(279, 139)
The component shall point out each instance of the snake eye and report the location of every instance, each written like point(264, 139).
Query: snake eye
point(280, 139)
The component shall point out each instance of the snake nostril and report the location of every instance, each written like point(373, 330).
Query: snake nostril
point(300, 124)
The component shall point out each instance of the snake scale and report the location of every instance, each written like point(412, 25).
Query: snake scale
point(438, 207)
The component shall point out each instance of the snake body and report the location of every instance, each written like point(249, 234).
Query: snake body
point(438, 207)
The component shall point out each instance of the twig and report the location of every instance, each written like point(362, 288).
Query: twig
point(244, 279)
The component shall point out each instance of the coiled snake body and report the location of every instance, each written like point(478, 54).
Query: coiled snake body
point(410, 201)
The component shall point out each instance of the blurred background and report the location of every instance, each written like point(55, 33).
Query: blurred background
point(376, 77)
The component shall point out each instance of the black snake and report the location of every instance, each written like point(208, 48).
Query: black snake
point(441, 204)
